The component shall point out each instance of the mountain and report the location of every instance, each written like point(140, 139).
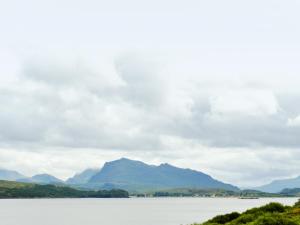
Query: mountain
point(41, 179)
point(83, 177)
point(278, 185)
point(136, 176)
point(10, 175)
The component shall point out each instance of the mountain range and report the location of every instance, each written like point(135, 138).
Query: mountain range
point(41, 179)
point(11, 175)
point(129, 175)
point(138, 176)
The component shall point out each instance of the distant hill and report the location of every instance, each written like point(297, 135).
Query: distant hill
point(10, 175)
point(83, 177)
point(42, 179)
point(278, 185)
point(255, 193)
point(12, 189)
point(291, 192)
point(135, 175)
point(191, 192)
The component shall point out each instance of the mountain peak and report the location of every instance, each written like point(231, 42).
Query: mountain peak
point(42, 175)
point(83, 177)
point(43, 178)
point(166, 165)
point(124, 161)
point(136, 175)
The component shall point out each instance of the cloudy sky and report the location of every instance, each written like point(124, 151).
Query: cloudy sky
point(209, 85)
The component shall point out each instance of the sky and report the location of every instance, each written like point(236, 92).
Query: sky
point(208, 85)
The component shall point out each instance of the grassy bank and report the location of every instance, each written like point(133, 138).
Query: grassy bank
point(10, 189)
point(270, 214)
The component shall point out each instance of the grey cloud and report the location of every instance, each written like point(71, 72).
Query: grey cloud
point(136, 103)
point(143, 84)
point(53, 105)
point(53, 73)
point(66, 109)
point(240, 131)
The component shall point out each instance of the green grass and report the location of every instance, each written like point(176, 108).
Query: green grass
point(11, 189)
point(270, 214)
point(14, 184)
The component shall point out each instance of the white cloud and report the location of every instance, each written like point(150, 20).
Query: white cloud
point(60, 162)
point(246, 102)
point(295, 122)
point(231, 83)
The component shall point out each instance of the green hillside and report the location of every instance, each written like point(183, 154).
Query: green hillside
point(270, 214)
point(11, 189)
point(13, 184)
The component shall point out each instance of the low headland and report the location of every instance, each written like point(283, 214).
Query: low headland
point(12, 189)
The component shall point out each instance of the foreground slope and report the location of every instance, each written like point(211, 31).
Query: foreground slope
point(12, 189)
point(270, 214)
point(136, 175)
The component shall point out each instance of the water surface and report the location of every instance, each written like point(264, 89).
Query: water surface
point(133, 211)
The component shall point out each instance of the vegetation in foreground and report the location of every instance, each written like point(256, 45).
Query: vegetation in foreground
point(270, 214)
point(11, 189)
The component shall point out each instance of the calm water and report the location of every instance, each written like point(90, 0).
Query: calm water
point(149, 211)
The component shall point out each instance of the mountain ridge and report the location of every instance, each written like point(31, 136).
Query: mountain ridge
point(41, 179)
point(132, 174)
point(82, 177)
point(278, 185)
point(10, 175)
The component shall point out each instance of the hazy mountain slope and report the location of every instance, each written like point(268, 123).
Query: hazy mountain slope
point(129, 174)
point(291, 191)
point(42, 179)
point(83, 177)
point(10, 175)
point(279, 185)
